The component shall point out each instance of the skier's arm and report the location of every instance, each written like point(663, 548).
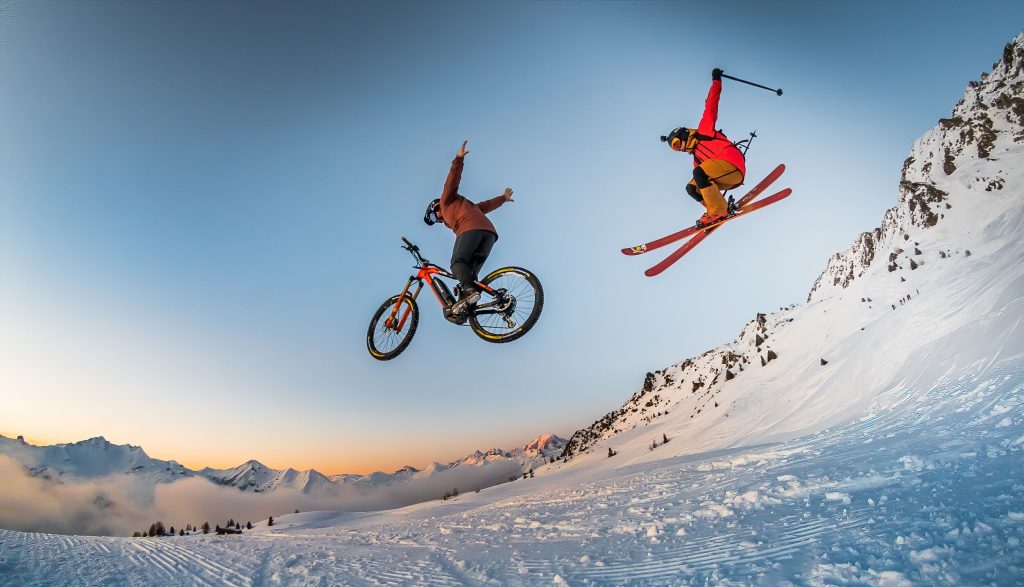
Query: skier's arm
point(451, 185)
point(710, 118)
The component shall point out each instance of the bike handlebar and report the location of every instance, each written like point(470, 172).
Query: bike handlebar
point(414, 251)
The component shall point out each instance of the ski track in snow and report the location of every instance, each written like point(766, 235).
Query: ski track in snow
point(929, 492)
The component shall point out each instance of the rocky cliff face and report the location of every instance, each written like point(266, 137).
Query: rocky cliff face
point(991, 112)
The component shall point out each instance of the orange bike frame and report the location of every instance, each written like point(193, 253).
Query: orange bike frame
point(426, 273)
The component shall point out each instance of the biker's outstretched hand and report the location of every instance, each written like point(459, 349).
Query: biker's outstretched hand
point(508, 195)
point(463, 151)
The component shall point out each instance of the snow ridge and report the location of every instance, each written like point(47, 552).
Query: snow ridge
point(991, 112)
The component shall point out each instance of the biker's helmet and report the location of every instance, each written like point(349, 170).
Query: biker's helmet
point(430, 216)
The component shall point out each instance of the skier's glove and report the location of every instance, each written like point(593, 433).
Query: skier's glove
point(716, 74)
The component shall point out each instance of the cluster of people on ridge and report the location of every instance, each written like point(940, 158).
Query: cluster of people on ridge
point(718, 165)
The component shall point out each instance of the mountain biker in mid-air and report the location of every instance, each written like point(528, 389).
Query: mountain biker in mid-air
point(717, 163)
point(474, 233)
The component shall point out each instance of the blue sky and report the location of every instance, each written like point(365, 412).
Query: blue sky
point(201, 204)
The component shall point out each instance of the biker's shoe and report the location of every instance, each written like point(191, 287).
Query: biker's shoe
point(468, 297)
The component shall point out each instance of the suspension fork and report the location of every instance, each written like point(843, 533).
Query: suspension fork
point(391, 321)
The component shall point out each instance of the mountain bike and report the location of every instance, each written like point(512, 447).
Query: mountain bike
point(511, 300)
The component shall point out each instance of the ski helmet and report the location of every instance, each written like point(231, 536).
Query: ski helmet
point(430, 216)
point(680, 134)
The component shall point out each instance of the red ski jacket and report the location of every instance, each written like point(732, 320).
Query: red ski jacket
point(708, 143)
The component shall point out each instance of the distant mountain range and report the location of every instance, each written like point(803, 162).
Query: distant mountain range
point(97, 458)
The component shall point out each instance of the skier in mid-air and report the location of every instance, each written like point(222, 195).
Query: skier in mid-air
point(718, 164)
point(474, 233)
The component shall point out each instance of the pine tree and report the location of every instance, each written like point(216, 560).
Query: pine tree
point(206, 527)
point(296, 510)
point(664, 438)
point(238, 526)
point(531, 473)
point(181, 532)
point(218, 529)
point(231, 522)
point(248, 525)
point(152, 530)
point(172, 529)
point(136, 534)
point(270, 522)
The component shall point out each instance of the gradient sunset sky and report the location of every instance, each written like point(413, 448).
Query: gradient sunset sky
point(201, 204)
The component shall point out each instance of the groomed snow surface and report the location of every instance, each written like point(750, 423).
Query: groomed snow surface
point(927, 490)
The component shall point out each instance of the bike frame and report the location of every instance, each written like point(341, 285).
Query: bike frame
point(428, 272)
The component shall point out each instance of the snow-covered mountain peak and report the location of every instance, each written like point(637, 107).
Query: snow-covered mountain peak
point(988, 121)
point(545, 441)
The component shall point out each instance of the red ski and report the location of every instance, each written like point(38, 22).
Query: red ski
point(677, 236)
point(686, 248)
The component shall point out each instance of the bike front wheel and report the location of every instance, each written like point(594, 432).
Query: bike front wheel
point(390, 331)
point(513, 308)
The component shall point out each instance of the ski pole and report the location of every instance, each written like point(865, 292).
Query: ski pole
point(778, 92)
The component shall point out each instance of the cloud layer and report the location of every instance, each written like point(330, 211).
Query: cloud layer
point(119, 505)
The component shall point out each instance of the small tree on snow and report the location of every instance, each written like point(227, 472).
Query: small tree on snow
point(270, 522)
point(206, 527)
point(238, 526)
point(248, 525)
point(181, 532)
point(664, 439)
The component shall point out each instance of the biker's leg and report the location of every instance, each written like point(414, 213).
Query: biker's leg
point(483, 251)
point(462, 257)
point(471, 250)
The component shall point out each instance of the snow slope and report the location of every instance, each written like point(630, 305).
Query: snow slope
point(925, 488)
point(872, 436)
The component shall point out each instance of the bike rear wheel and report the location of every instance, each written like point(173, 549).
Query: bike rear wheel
point(513, 311)
point(387, 337)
